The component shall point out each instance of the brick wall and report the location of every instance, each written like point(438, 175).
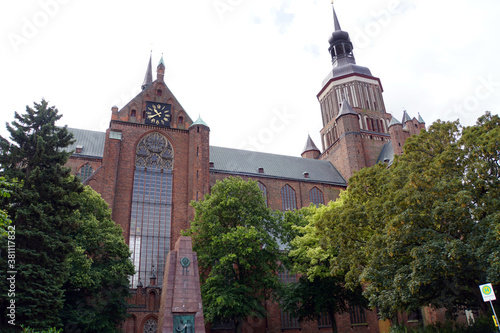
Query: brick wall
point(274, 186)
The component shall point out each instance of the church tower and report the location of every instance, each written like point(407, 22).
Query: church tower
point(355, 122)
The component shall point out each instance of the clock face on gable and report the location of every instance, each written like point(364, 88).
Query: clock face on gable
point(158, 114)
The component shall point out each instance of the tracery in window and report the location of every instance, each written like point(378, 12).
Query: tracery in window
point(150, 326)
point(151, 211)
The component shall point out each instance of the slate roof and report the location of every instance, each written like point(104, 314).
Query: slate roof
point(92, 142)
point(406, 117)
point(346, 109)
point(345, 70)
point(387, 153)
point(234, 161)
point(394, 121)
point(244, 162)
point(309, 145)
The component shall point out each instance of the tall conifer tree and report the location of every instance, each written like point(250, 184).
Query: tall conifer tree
point(41, 212)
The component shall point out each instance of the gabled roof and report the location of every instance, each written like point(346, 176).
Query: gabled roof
point(92, 142)
point(247, 163)
point(309, 145)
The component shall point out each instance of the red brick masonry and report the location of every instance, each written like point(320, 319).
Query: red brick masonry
point(181, 293)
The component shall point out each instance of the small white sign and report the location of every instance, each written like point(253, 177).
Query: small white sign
point(487, 292)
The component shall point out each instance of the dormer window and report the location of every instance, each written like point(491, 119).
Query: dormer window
point(261, 170)
point(306, 174)
point(79, 149)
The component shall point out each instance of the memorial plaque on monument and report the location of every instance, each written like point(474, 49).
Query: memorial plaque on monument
point(183, 324)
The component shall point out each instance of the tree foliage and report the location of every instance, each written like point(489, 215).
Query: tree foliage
point(236, 237)
point(426, 230)
point(5, 220)
point(41, 213)
point(70, 258)
point(318, 291)
point(98, 285)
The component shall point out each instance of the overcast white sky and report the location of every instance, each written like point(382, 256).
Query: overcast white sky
point(250, 68)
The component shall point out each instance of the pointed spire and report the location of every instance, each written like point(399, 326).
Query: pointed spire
point(394, 121)
point(310, 151)
point(420, 119)
point(199, 121)
point(406, 117)
point(148, 78)
point(336, 23)
point(340, 45)
point(160, 70)
point(345, 109)
point(309, 145)
point(161, 63)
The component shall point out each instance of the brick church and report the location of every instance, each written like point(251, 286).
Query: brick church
point(153, 160)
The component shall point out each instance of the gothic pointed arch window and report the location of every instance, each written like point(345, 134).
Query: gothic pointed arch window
point(85, 172)
point(316, 196)
point(288, 200)
point(150, 216)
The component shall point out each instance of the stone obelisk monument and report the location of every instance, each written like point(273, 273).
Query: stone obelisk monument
point(181, 310)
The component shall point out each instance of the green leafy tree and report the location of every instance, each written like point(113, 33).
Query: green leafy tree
point(424, 231)
point(236, 237)
point(319, 290)
point(481, 145)
point(5, 220)
point(41, 214)
point(98, 285)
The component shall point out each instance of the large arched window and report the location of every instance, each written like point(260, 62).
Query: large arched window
point(150, 217)
point(85, 172)
point(288, 201)
point(316, 196)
